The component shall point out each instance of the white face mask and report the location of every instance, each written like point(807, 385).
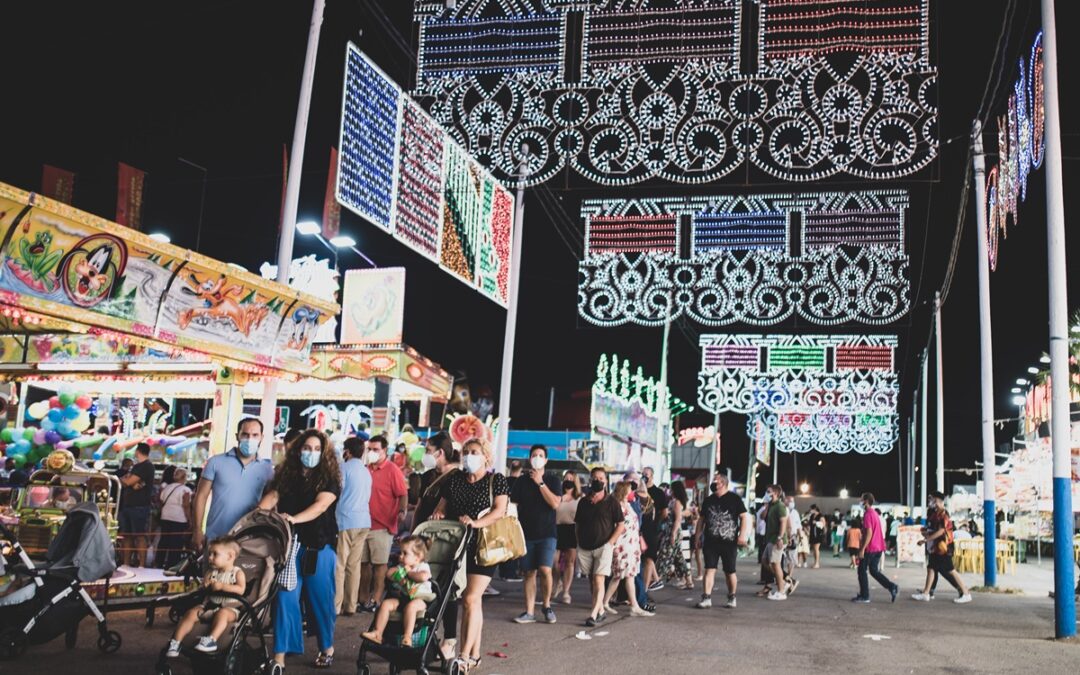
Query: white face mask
point(428, 461)
point(372, 456)
point(538, 463)
point(473, 463)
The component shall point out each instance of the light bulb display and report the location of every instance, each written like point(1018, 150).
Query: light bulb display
point(628, 405)
point(399, 170)
point(829, 258)
point(835, 433)
point(623, 91)
point(1021, 148)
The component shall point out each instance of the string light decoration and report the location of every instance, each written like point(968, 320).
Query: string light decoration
point(829, 258)
point(835, 433)
point(399, 170)
point(622, 91)
point(1021, 148)
point(751, 374)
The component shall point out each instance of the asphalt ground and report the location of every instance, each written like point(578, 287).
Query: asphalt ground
point(817, 630)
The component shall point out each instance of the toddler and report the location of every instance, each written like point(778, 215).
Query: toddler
point(410, 583)
point(224, 577)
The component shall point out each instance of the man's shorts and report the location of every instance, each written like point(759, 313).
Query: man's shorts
point(720, 552)
point(595, 562)
point(538, 553)
point(135, 520)
point(377, 547)
point(775, 554)
point(942, 564)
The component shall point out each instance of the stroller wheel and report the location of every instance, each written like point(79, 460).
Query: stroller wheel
point(109, 642)
point(12, 643)
point(164, 670)
point(363, 669)
point(174, 614)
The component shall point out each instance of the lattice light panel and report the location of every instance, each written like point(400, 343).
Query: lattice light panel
point(621, 91)
point(835, 433)
point(829, 258)
point(399, 170)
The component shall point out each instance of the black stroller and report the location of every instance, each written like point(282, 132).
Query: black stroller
point(264, 538)
point(41, 603)
point(447, 560)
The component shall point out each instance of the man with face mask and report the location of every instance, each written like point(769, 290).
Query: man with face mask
point(871, 551)
point(599, 523)
point(537, 495)
point(389, 497)
point(354, 522)
point(233, 482)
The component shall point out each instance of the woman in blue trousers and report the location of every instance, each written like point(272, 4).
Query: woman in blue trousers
point(305, 488)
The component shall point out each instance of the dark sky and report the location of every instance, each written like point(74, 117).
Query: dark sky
point(216, 82)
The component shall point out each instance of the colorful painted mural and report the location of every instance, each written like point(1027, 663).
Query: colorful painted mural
point(60, 261)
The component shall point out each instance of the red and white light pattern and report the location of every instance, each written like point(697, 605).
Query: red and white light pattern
point(633, 234)
point(816, 27)
point(420, 183)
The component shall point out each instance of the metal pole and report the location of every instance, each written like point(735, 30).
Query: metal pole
point(507, 375)
point(795, 473)
point(939, 396)
point(911, 466)
point(664, 408)
point(292, 197)
point(775, 463)
point(715, 444)
point(986, 355)
point(551, 407)
point(202, 199)
point(1064, 584)
point(922, 434)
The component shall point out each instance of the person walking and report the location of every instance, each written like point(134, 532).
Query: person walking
point(853, 537)
point(819, 533)
point(389, 495)
point(671, 561)
point(938, 537)
point(175, 518)
point(537, 495)
point(776, 539)
point(135, 497)
point(566, 538)
point(626, 554)
point(839, 529)
point(599, 523)
point(871, 550)
point(723, 527)
point(305, 489)
point(466, 495)
point(353, 523)
point(233, 482)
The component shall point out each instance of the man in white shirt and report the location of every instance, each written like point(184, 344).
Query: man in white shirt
point(354, 524)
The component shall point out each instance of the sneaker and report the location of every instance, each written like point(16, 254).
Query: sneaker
point(792, 586)
point(602, 618)
point(730, 604)
point(525, 617)
point(174, 649)
point(963, 599)
point(638, 611)
point(608, 609)
point(892, 593)
point(860, 600)
point(777, 596)
point(656, 585)
point(549, 614)
point(565, 599)
point(369, 607)
point(490, 590)
point(591, 622)
point(207, 645)
point(921, 597)
point(649, 607)
point(513, 580)
point(704, 603)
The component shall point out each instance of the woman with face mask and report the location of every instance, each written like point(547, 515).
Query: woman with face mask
point(566, 536)
point(477, 499)
point(305, 487)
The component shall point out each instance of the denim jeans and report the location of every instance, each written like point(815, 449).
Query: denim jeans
point(639, 588)
point(872, 562)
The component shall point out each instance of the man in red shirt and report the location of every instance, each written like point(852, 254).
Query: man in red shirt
point(389, 497)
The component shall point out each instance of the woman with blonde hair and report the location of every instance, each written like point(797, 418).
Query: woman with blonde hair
point(626, 557)
point(566, 535)
point(465, 496)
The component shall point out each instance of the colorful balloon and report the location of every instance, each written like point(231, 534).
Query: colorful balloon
point(51, 437)
point(7, 435)
point(56, 415)
point(39, 437)
point(84, 402)
point(66, 398)
point(72, 412)
point(28, 434)
point(54, 402)
point(20, 461)
point(81, 423)
point(38, 410)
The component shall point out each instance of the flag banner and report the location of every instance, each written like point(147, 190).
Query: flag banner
point(331, 215)
point(129, 196)
point(58, 184)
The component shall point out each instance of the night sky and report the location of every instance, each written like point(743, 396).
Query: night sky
point(90, 84)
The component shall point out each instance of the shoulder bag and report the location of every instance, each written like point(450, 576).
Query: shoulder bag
point(502, 540)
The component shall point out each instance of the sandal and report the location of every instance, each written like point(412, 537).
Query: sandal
point(471, 663)
point(324, 660)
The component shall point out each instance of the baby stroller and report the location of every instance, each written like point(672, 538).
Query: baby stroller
point(446, 556)
point(264, 538)
point(38, 604)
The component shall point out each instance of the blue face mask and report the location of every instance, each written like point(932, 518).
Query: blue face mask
point(309, 458)
point(248, 447)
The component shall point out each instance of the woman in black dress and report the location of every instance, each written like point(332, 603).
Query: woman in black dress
point(465, 496)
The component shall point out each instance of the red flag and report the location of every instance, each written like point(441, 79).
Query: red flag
point(57, 184)
point(129, 196)
point(331, 214)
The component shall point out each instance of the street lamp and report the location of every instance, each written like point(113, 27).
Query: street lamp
point(804, 488)
point(160, 236)
point(1016, 390)
point(313, 229)
point(1045, 358)
point(1021, 381)
point(844, 494)
point(1033, 370)
point(308, 227)
point(342, 241)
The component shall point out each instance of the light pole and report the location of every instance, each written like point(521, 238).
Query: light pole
point(202, 198)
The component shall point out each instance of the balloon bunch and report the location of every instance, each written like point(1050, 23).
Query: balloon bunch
point(125, 447)
point(62, 420)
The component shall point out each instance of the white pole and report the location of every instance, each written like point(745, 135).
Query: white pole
point(507, 374)
point(939, 396)
point(775, 463)
point(986, 355)
point(1064, 584)
point(664, 407)
point(292, 199)
point(923, 478)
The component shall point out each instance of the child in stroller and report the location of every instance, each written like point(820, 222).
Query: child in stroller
point(410, 584)
point(220, 610)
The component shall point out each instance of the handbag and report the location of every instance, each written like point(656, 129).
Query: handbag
point(501, 541)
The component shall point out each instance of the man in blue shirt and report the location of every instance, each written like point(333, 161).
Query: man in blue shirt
point(234, 483)
point(354, 523)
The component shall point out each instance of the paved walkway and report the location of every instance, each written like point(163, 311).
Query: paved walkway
point(816, 631)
